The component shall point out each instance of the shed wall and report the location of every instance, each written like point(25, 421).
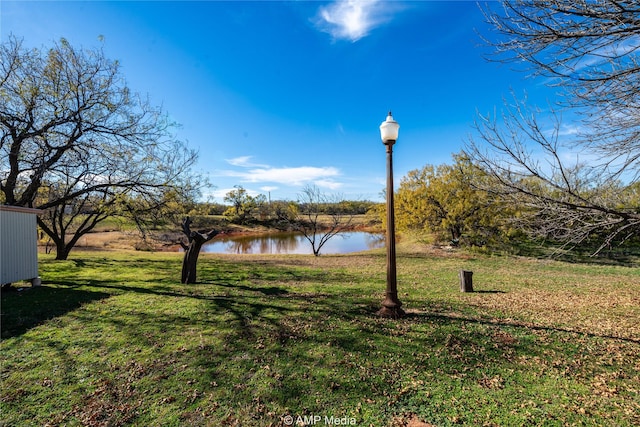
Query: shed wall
point(18, 246)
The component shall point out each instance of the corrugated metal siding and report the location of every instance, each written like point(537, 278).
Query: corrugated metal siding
point(18, 246)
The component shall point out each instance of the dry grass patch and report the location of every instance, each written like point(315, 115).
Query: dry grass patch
point(595, 300)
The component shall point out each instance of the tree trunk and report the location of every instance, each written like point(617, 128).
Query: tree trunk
point(190, 261)
point(62, 250)
point(61, 255)
point(192, 250)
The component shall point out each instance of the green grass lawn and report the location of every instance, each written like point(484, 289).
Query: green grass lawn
point(114, 339)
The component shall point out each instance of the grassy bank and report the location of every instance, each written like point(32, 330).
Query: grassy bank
point(113, 339)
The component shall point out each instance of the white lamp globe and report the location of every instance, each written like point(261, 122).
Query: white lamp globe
point(389, 129)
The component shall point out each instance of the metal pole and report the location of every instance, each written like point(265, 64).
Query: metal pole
point(391, 304)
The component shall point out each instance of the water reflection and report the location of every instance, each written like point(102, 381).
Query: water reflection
point(293, 243)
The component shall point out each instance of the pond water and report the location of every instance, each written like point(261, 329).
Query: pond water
point(293, 243)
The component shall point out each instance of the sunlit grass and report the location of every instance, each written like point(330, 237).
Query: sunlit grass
point(115, 339)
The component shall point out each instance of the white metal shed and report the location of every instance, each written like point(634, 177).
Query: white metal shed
point(18, 245)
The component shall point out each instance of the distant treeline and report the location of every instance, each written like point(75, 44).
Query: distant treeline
point(351, 207)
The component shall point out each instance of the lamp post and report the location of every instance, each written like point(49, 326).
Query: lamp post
point(391, 304)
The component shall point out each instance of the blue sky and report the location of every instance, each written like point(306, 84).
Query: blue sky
point(278, 95)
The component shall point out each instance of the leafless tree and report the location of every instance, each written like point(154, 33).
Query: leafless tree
point(580, 187)
point(77, 143)
point(320, 217)
point(559, 199)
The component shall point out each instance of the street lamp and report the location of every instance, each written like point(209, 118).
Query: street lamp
point(391, 304)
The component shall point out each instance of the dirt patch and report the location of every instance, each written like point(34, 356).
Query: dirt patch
point(122, 240)
point(410, 420)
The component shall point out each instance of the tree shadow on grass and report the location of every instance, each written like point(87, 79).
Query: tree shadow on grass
point(22, 311)
point(245, 293)
point(266, 290)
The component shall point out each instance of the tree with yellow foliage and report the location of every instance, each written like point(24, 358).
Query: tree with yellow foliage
point(446, 200)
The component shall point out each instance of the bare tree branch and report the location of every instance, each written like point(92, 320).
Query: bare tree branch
point(73, 135)
point(570, 203)
point(589, 51)
point(580, 189)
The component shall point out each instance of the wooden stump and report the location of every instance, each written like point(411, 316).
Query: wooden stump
point(466, 281)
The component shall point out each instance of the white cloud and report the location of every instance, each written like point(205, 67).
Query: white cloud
point(243, 161)
point(219, 193)
point(250, 172)
point(353, 19)
point(564, 130)
point(291, 176)
point(327, 183)
point(570, 130)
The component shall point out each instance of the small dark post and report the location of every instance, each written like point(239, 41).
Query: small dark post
point(466, 281)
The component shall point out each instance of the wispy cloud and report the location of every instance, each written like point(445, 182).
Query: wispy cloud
point(353, 19)
point(243, 161)
point(327, 183)
point(564, 130)
point(301, 175)
point(570, 130)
